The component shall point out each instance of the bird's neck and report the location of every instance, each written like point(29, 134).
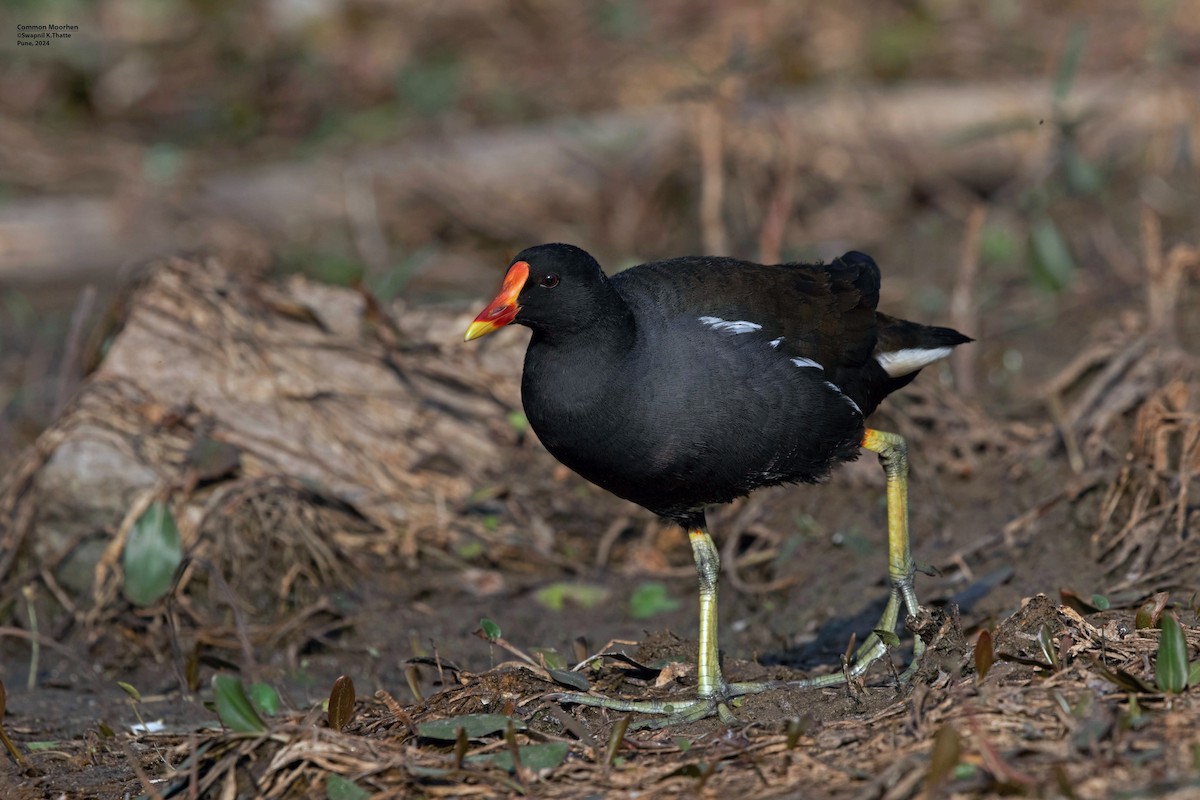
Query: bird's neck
point(605, 326)
point(569, 370)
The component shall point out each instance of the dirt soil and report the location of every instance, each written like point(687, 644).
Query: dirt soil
point(1012, 540)
point(390, 518)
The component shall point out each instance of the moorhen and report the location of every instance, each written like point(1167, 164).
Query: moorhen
point(689, 382)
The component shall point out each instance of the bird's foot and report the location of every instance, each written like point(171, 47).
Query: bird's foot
point(881, 640)
point(665, 713)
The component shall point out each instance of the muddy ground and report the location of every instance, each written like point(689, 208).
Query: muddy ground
point(1026, 172)
point(1012, 540)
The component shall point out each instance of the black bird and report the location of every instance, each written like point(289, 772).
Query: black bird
point(689, 382)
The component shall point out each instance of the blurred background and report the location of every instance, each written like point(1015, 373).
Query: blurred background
point(1000, 152)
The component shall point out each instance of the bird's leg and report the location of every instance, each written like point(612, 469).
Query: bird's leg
point(893, 455)
point(708, 569)
point(712, 692)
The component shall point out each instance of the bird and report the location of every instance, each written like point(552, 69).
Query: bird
point(686, 383)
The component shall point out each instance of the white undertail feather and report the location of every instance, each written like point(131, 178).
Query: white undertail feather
point(910, 359)
point(738, 326)
point(806, 362)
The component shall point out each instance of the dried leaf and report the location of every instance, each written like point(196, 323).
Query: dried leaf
point(1148, 615)
point(947, 747)
point(341, 703)
point(797, 727)
point(211, 459)
point(616, 738)
point(985, 656)
point(8, 744)
point(1045, 640)
point(1084, 607)
point(1122, 679)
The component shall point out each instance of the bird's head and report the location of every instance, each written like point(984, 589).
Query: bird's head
point(551, 287)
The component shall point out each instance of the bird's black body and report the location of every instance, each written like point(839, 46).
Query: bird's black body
point(690, 382)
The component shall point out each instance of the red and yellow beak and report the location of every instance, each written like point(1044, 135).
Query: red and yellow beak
point(504, 308)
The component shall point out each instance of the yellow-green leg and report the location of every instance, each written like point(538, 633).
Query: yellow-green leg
point(893, 455)
point(712, 692)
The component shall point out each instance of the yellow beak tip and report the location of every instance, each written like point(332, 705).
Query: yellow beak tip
point(477, 329)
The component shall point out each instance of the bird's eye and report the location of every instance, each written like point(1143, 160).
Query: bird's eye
point(549, 280)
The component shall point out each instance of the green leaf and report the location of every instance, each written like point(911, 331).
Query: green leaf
point(1053, 266)
point(1101, 602)
point(265, 698)
point(490, 629)
point(33, 747)
point(1125, 680)
point(1194, 673)
point(575, 680)
point(1171, 666)
point(1070, 62)
point(536, 757)
point(152, 554)
point(517, 421)
point(584, 595)
point(233, 707)
point(551, 658)
point(1082, 176)
point(947, 747)
point(475, 725)
point(130, 690)
point(651, 598)
point(339, 788)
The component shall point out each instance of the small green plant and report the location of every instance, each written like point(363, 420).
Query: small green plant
point(557, 596)
point(651, 598)
point(490, 629)
point(152, 554)
point(339, 788)
point(233, 706)
point(1171, 670)
point(135, 700)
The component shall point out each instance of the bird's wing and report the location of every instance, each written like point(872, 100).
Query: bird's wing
point(824, 313)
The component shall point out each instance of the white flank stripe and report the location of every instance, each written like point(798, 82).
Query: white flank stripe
point(911, 359)
point(776, 342)
point(808, 362)
point(740, 326)
point(845, 396)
